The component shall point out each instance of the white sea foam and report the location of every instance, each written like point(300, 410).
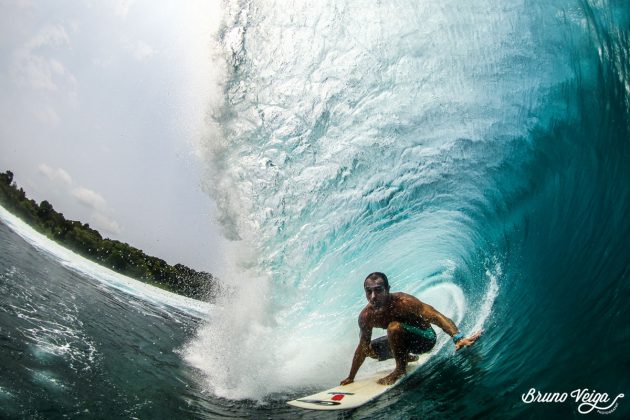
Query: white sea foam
point(493, 274)
point(254, 349)
point(105, 276)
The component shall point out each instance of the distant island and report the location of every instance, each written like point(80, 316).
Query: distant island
point(118, 256)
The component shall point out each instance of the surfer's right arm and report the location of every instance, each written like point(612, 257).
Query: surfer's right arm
point(431, 314)
point(363, 349)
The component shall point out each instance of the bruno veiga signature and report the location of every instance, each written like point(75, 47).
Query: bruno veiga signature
point(587, 400)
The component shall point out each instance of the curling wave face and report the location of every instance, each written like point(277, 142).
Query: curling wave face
point(358, 137)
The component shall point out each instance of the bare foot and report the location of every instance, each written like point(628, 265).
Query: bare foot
point(412, 358)
point(346, 381)
point(391, 378)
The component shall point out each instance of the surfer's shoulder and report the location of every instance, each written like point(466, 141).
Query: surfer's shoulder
point(406, 302)
point(364, 315)
point(405, 298)
point(366, 318)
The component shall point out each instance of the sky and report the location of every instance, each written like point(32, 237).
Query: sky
point(103, 107)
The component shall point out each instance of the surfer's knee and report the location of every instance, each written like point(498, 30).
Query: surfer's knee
point(394, 327)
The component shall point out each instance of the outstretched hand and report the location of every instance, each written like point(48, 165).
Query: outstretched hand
point(467, 341)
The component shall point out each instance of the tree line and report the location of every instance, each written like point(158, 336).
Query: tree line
point(118, 256)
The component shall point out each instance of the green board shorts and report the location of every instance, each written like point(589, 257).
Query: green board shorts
point(420, 341)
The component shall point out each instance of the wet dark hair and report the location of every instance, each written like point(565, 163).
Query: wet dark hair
point(377, 275)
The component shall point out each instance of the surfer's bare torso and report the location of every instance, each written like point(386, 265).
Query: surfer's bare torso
point(401, 307)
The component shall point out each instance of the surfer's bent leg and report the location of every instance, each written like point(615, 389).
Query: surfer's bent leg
point(399, 348)
point(407, 339)
point(420, 340)
point(398, 344)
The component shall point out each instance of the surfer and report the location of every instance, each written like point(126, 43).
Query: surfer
point(408, 323)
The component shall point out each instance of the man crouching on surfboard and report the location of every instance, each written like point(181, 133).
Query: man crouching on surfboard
point(408, 323)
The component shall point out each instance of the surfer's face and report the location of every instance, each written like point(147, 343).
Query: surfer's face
point(375, 292)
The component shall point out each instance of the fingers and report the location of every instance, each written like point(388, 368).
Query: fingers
point(464, 342)
point(476, 335)
point(472, 338)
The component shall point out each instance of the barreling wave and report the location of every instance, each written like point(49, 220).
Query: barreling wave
point(470, 151)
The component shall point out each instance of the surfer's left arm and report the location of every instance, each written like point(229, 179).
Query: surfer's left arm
point(432, 315)
point(364, 349)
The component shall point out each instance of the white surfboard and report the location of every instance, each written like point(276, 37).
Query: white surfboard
point(356, 394)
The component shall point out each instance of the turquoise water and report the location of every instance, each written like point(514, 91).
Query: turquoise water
point(476, 153)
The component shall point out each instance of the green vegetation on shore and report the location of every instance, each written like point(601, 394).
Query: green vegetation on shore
point(112, 254)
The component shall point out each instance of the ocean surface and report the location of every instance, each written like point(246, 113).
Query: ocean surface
point(478, 153)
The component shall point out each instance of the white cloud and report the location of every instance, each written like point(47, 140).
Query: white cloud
point(31, 68)
point(121, 7)
point(89, 198)
point(140, 50)
point(50, 36)
point(85, 196)
point(58, 174)
point(106, 224)
point(37, 72)
point(19, 3)
point(47, 115)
